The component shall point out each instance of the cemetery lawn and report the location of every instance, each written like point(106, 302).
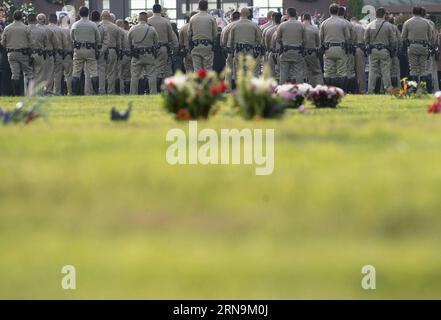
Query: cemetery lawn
point(360, 185)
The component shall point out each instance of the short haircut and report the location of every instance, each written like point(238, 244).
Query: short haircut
point(84, 12)
point(292, 12)
point(142, 16)
point(235, 16)
point(53, 18)
point(32, 18)
point(96, 16)
point(18, 15)
point(333, 8)
point(203, 5)
point(381, 12)
point(417, 11)
point(157, 8)
point(307, 17)
point(341, 11)
point(278, 18)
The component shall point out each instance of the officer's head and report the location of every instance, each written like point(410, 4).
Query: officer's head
point(306, 17)
point(269, 15)
point(120, 23)
point(96, 16)
point(105, 15)
point(126, 25)
point(291, 12)
point(417, 11)
point(157, 8)
point(244, 13)
point(143, 16)
point(381, 12)
point(277, 18)
point(32, 18)
point(391, 20)
point(333, 9)
point(203, 5)
point(84, 12)
point(18, 15)
point(341, 11)
point(235, 16)
point(53, 18)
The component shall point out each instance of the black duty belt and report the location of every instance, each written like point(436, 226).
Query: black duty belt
point(328, 45)
point(86, 45)
point(127, 53)
point(362, 46)
point(206, 43)
point(422, 42)
point(40, 52)
point(143, 51)
point(25, 51)
point(380, 46)
point(244, 47)
point(310, 51)
point(113, 48)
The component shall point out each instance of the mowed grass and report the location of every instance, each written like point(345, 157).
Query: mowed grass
point(355, 186)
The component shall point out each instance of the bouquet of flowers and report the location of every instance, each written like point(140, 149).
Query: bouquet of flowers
point(325, 97)
point(293, 94)
point(256, 98)
point(23, 113)
point(436, 106)
point(193, 96)
point(412, 89)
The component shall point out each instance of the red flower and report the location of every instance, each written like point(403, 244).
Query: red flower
point(215, 90)
point(435, 108)
point(171, 85)
point(202, 73)
point(223, 86)
point(183, 114)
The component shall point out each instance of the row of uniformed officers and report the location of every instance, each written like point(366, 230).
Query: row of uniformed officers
point(104, 56)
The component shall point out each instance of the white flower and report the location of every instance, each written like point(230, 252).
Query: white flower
point(262, 85)
point(413, 84)
point(438, 95)
point(284, 88)
point(178, 81)
point(304, 88)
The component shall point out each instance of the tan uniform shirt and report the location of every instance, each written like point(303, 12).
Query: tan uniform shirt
point(38, 36)
point(334, 30)
point(143, 36)
point(202, 27)
point(111, 35)
point(85, 31)
point(164, 30)
point(312, 38)
point(17, 36)
point(386, 35)
point(183, 37)
point(270, 32)
point(291, 33)
point(225, 34)
point(57, 40)
point(417, 29)
point(67, 40)
point(244, 31)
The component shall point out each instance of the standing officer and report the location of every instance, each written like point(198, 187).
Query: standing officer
point(270, 21)
point(16, 38)
point(167, 43)
point(291, 36)
point(432, 62)
point(143, 39)
point(202, 33)
point(312, 51)
point(57, 75)
point(334, 37)
point(381, 42)
point(67, 53)
point(349, 80)
point(52, 44)
point(417, 35)
point(39, 43)
point(184, 44)
point(86, 39)
point(395, 61)
point(245, 38)
point(359, 58)
point(272, 47)
point(124, 59)
point(225, 35)
point(111, 45)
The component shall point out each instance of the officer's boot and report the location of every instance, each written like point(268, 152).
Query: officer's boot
point(127, 87)
point(429, 83)
point(394, 82)
point(141, 86)
point(377, 89)
point(75, 86)
point(95, 85)
point(16, 88)
point(159, 84)
point(117, 86)
point(327, 81)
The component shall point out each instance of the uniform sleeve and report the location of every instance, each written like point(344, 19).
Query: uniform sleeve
point(98, 39)
point(155, 37)
point(231, 38)
point(4, 38)
point(214, 30)
point(173, 39)
point(279, 34)
point(393, 38)
point(29, 36)
point(405, 32)
point(303, 36)
point(129, 37)
point(72, 33)
point(321, 34)
point(317, 39)
point(190, 31)
point(55, 41)
point(367, 36)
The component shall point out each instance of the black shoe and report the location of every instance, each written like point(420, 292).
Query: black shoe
point(76, 86)
point(95, 85)
point(127, 87)
point(394, 81)
point(16, 88)
point(159, 84)
point(429, 83)
point(117, 86)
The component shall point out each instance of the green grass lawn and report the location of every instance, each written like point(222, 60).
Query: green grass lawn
point(354, 186)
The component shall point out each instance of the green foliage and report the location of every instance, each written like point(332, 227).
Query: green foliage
point(355, 7)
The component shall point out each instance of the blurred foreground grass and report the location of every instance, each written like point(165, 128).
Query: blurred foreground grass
point(354, 186)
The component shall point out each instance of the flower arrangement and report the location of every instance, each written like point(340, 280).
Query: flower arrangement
point(411, 89)
point(325, 97)
point(133, 20)
point(293, 94)
point(436, 106)
point(257, 98)
point(23, 112)
point(193, 96)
